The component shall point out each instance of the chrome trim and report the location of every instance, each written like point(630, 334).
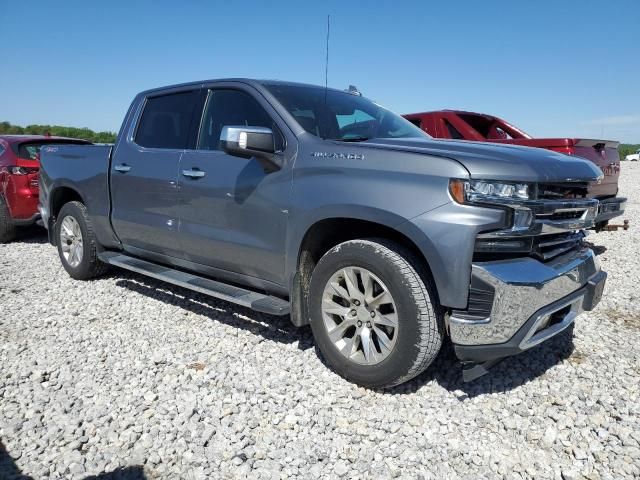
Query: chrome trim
point(611, 208)
point(522, 287)
point(543, 211)
point(235, 133)
point(122, 168)
point(193, 173)
point(535, 337)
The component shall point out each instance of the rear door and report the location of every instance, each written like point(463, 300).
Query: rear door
point(144, 176)
point(233, 215)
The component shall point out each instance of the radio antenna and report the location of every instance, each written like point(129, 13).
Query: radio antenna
point(326, 64)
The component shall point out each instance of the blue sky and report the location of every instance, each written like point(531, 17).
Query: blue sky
point(554, 68)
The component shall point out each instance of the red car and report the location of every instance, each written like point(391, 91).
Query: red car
point(479, 127)
point(19, 166)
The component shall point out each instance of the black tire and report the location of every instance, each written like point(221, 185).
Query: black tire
point(7, 228)
point(89, 267)
point(420, 326)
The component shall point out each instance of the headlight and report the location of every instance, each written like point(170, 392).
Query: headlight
point(482, 191)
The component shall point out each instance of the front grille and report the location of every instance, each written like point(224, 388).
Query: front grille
point(562, 215)
point(542, 228)
point(546, 247)
point(559, 191)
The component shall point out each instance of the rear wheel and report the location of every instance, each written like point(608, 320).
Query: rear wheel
point(7, 228)
point(77, 245)
point(374, 317)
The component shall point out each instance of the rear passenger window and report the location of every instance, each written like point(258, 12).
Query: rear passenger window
point(29, 151)
point(166, 120)
point(233, 108)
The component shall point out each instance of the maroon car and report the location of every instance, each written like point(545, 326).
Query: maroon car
point(19, 166)
point(480, 127)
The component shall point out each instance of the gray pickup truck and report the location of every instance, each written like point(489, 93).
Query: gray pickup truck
point(317, 203)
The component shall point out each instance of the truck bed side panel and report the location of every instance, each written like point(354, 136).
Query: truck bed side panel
point(85, 170)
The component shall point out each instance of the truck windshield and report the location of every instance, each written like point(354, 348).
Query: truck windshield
point(334, 115)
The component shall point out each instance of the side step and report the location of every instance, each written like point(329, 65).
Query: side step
point(230, 293)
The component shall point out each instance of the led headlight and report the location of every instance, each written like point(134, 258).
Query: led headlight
point(483, 191)
point(505, 195)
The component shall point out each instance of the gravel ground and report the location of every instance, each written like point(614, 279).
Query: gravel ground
point(128, 375)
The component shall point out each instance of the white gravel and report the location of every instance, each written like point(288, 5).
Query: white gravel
point(131, 375)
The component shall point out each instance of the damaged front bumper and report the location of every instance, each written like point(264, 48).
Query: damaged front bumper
point(517, 304)
point(609, 208)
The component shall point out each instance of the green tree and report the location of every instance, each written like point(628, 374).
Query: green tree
point(627, 149)
point(56, 130)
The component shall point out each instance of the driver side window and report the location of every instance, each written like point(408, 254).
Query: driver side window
point(233, 108)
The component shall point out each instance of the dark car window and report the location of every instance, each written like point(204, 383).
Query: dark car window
point(31, 150)
point(166, 120)
point(335, 115)
point(453, 131)
point(479, 123)
point(229, 108)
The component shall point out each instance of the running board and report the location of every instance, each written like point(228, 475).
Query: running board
point(230, 293)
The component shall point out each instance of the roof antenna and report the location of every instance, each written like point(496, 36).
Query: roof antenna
point(326, 64)
point(326, 74)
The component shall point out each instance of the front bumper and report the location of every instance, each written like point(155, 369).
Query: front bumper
point(610, 208)
point(526, 302)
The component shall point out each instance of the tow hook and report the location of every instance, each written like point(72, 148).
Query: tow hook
point(611, 227)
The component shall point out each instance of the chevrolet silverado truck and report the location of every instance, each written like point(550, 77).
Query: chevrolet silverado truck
point(317, 203)
point(480, 127)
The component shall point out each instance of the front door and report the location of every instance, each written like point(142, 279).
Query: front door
point(144, 175)
point(233, 213)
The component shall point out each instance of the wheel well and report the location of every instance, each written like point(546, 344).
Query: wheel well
point(60, 197)
point(326, 234)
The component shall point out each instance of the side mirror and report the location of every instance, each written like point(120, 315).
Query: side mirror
point(248, 142)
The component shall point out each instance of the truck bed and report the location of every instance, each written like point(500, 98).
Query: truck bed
point(84, 166)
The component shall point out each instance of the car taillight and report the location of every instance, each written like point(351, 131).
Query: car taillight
point(22, 170)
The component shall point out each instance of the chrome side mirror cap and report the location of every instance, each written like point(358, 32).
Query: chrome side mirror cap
point(247, 142)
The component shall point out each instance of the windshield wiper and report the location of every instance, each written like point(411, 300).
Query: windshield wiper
point(352, 139)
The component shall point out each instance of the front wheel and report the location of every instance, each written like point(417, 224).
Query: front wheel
point(77, 245)
point(374, 317)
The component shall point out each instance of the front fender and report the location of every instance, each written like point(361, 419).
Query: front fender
point(446, 238)
point(298, 229)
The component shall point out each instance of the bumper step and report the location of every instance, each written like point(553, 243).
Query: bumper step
point(254, 300)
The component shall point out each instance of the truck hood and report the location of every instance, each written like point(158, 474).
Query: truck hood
point(498, 162)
